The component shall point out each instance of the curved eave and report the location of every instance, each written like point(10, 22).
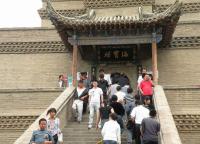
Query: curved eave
point(166, 20)
point(75, 23)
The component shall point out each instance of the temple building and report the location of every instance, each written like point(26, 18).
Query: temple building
point(114, 35)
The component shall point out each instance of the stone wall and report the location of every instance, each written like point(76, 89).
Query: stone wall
point(178, 66)
point(34, 58)
point(33, 70)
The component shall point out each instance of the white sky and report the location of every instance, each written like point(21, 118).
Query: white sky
point(20, 13)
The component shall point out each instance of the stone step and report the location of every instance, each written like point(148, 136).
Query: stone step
point(190, 137)
point(8, 137)
point(183, 100)
point(75, 133)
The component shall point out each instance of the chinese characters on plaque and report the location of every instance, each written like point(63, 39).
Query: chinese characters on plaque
point(117, 54)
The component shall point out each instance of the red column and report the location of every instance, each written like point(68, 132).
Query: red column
point(154, 60)
point(74, 64)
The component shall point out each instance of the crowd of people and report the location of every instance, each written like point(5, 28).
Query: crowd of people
point(118, 109)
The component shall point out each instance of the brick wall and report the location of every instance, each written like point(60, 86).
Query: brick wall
point(32, 70)
point(178, 66)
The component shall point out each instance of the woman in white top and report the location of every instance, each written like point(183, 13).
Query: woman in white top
point(53, 124)
point(111, 131)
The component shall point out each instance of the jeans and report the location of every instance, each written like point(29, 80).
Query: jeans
point(109, 142)
point(93, 107)
point(129, 136)
point(149, 142)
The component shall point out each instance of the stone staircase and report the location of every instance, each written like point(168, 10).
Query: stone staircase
point(184, 103)
point(75, 133)
point(20, 108)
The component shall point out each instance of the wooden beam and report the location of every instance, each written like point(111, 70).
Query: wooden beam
point(114, 40)
point(74, 64)
point(154, 60)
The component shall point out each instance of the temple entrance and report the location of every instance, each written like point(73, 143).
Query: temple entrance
point(130, 70)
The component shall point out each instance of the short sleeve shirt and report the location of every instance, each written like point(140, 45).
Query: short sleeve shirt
point(95, 94)
point(146, 87)
point(40, 136)
point(139, 113)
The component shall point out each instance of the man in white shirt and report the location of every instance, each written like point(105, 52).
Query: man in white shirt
point(120, 95)
point(138, 114)
point(111, 131)
point(95, 99)
point(112, 90)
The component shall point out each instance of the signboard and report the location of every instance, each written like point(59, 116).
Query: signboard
point(117, 54)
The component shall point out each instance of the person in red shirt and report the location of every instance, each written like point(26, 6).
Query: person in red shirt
point(146, 87)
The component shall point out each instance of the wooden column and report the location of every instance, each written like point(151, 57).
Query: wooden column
point(154, 59)
point(74, 64)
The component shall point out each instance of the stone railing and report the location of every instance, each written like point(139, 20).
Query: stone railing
point(63, 106)
point(169, 133)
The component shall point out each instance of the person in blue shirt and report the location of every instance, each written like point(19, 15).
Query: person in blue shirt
point(42, 136)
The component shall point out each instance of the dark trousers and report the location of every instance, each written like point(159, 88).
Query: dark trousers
point(109, 142)
point(120, 122)
point(150, 142)
point(143, 97)
point(55, 137)
point(85, 106)
point(137, 134)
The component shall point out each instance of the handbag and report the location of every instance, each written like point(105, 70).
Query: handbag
point(60, 137)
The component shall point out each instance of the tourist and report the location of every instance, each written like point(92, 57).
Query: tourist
point(106, 76)
point(95, 99)
point(130, 126)
point(61, 81)
point(80, 94)
point(111, 131)
point(150, 128)
point(119, 110)
point(129, 101)
point(42, 135)
point(86, 81)
point(103, 84)
point(146, 87)
point(87, 84)
point(138, 114)
point(141, 76)
point(148, 104)
point(123, 80)
point(112, 89)
point(103, 115)
point(120, 95)
point(124, 88)
point(53, 124)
